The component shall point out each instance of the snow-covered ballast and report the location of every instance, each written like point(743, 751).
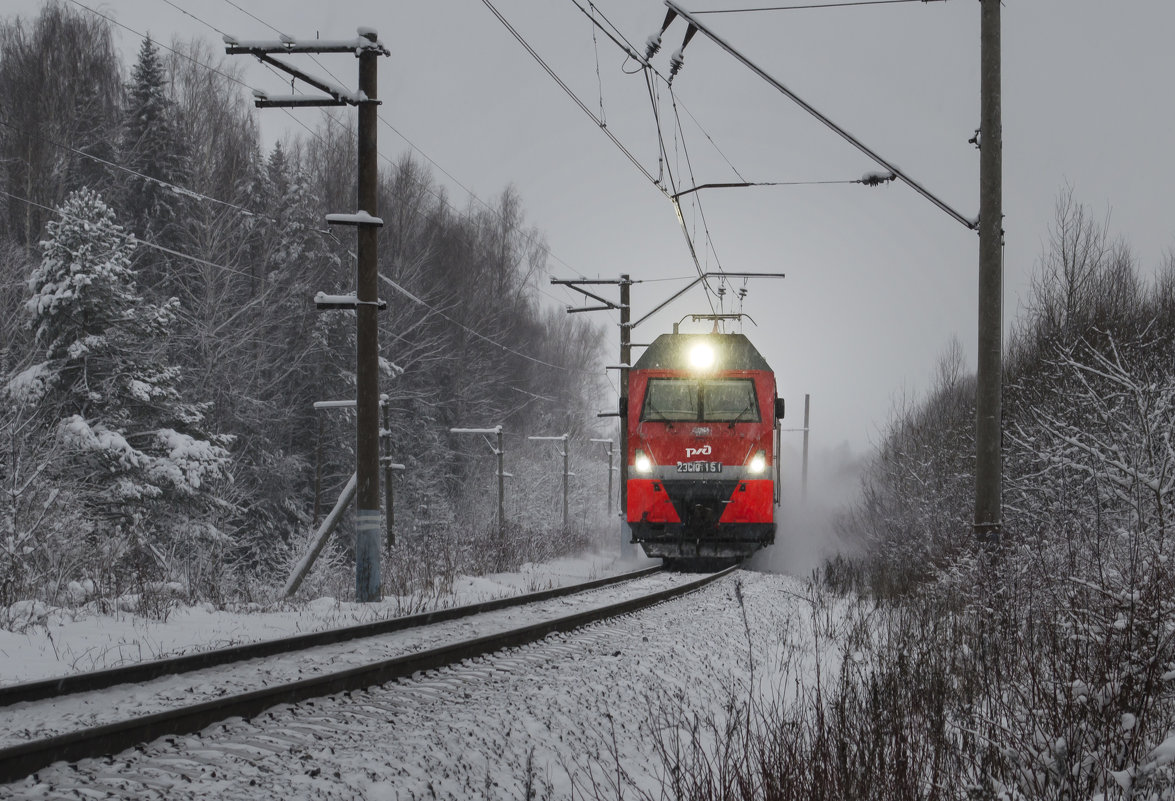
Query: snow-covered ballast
point(702, 424)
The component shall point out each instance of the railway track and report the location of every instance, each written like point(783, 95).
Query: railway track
point(58, 720)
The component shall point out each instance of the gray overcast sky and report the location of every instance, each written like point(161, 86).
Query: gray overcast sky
point(878, 279)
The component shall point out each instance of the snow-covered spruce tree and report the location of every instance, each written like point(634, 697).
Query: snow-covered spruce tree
point(131, 453)
point(154, 152)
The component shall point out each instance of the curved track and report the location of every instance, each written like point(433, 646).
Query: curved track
point(25, 758)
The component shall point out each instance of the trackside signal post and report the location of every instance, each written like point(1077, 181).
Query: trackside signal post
point(367, 47)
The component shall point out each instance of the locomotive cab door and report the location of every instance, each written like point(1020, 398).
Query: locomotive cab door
point(779, 410)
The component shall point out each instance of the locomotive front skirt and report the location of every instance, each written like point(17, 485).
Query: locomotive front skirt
point(703, 442)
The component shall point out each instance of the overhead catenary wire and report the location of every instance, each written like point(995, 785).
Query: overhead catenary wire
point(690, 167)
point(868, 181)
point(827, 121)
point(627, 46)
point(599, 78)
point(668, 171)
point(570, 93)
point(893, 172)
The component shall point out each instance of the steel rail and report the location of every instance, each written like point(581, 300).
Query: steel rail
point(145, 671)
point(25, 759)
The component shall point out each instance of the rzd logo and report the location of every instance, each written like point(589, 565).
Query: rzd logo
point(702, 451)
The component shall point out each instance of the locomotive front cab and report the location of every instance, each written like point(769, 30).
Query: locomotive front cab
point(701, 441)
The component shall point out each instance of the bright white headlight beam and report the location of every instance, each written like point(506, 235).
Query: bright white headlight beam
point(642, 463)
point(701, 356)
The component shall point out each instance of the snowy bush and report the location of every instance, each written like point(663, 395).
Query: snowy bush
point(1043, 670)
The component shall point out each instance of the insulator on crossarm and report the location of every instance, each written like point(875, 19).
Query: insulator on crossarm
point(653, 43)
point(652, 46)
point(675, 62)
point(678, 58)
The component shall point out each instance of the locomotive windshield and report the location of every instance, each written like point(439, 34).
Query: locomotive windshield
point(715, 400)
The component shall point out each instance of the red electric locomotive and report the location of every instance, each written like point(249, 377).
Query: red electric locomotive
point(703, 442)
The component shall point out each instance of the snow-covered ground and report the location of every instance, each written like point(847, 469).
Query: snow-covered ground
point(567, 717)
point(60, 641)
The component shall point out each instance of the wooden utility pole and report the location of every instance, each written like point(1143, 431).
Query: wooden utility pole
point(365, 301)
point(988, 459)
point(626, 549)
point(389, 467)
point(609, 443)
point(367, 525)
point(500, 452)
point(804, 479)
point(625, 284)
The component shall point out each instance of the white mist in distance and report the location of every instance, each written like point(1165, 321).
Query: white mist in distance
point(805, 530)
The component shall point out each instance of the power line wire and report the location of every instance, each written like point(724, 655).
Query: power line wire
point(330, 119)
point(810, 6)
point(467, 329)
point(127, 235)
point(529, 236)
point(180, 190)
point(185, 56)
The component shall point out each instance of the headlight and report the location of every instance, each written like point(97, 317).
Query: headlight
point(758, 462)
point(701, 356)
point(642, 463)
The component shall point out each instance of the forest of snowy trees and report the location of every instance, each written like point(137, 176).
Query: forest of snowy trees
point(160, 351)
